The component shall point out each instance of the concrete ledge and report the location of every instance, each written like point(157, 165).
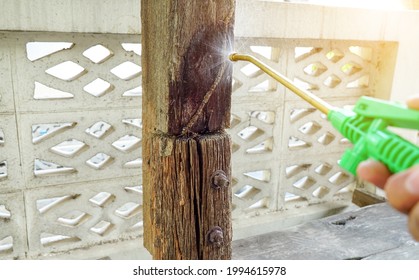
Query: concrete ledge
point(97, 16)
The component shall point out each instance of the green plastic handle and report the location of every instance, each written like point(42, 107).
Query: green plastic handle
point(394, 114)
point(371, 138)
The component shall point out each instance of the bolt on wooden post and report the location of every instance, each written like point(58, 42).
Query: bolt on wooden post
point(187, 83)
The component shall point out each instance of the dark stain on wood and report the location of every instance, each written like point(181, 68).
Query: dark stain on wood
point(206, 58)
point(186, 107)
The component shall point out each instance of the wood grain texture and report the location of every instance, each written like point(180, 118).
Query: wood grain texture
point(187, 82)
point(184, 206)
point(372, 232)
point(185, 49)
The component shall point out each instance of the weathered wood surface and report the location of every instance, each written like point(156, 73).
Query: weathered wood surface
point(187, 82)
point(186, 204)
point(187, 76)
point(372, 232)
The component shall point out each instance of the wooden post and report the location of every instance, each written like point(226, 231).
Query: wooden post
point(187, 81)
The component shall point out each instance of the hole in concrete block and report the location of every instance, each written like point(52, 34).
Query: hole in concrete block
point(136, 163)
point(49, 239)
point(250, 133)
point(4, 213)
point(345, 141)
point(126, 143)
point(339, 178)
point(298, 114)
point(132, 47)
point(291, 171)
point(323, 169)
point(99, 129)
point(68, 148)
point(135, 189)
point(360, 83)
point(6, 245)
point(3, 170)
point(100, 160)
point(128, 210)
point(45, 204)
point(310, 128)
point(137, 226)
point(126, 70)
point(98, 87)
point(98, 53)
point(42, 92)
point(1, 137)
point(235, 147)
point(247, 192)
point(267, 117)
point(315, 69)
point(334, 55)
point(102, 228)
point(260, 175)
point(260, 204)
point(332, 81)
point(138, 123)
point(326, 138)
point(66, 71)
point(38, 50)
point(41, 132)
point(321, 192)
point(304, 183)
point(263, 147)
point(74, 218)
point(363, 52)
point(234, 120)
point(44, 168)
point(102, 198)
point(351, 68)
point(290, 197)
point(294, 143)
point(135, 92)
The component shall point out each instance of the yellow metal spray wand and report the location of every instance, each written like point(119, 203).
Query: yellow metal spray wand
point(304, 94)
point(365, 126)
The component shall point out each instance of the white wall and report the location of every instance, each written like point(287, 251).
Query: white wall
point(98, 16)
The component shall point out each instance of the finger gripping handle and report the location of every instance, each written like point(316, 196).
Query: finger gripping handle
point(372, 139)
point(395, 152)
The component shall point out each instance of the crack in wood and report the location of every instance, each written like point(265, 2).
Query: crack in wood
point(187, 129)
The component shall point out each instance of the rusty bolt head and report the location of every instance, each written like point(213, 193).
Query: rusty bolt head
point(220, 180)
point(216, 236)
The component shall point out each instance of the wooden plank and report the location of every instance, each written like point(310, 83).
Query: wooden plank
point(187, 207)
point(187, 81)
point(187, 77)
point(363, 198)
point(376, 231)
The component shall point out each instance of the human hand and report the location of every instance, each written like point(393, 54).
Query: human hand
point(402, 189)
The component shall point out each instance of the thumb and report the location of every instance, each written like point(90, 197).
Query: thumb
point(413, 102)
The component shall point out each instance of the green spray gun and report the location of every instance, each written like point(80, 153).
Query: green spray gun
point(365, 126)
